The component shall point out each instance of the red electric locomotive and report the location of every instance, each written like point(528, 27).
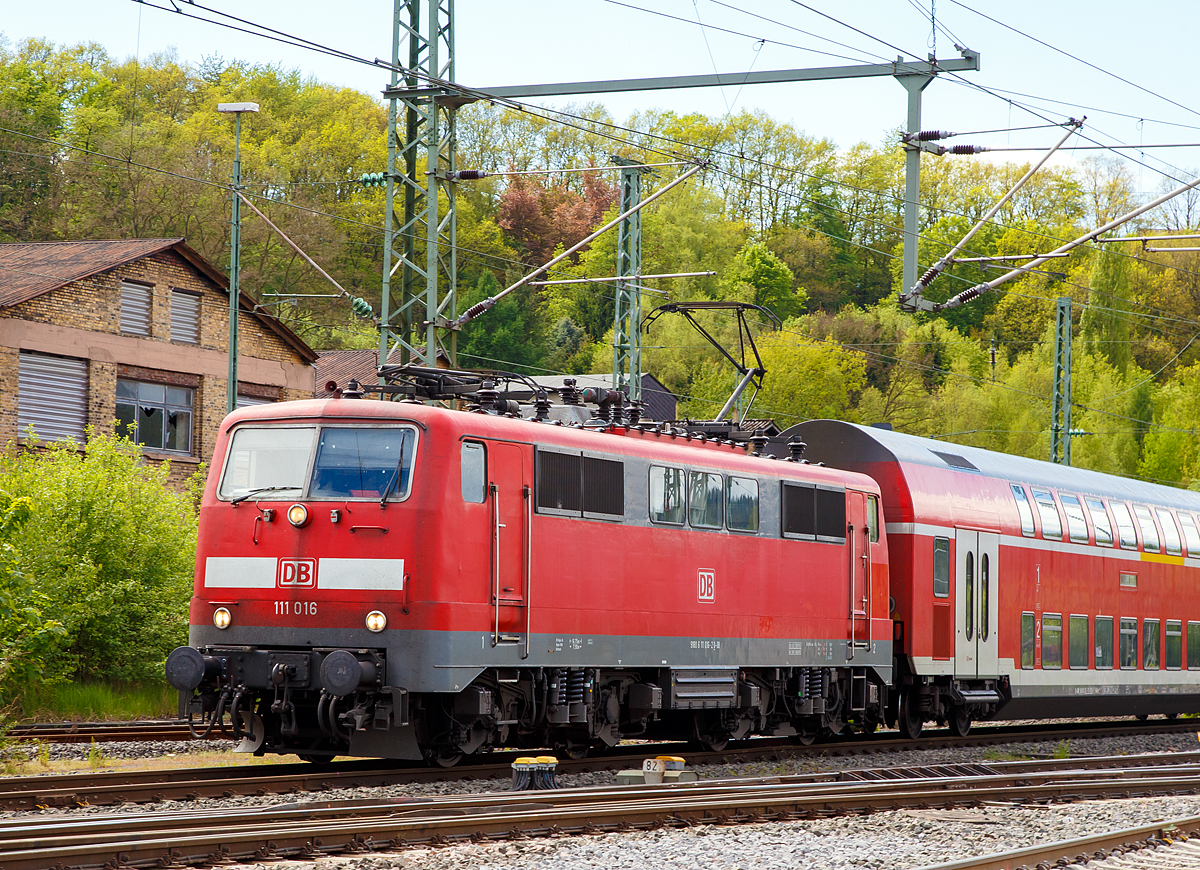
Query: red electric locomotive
point(399, 580)
point(1025, 589)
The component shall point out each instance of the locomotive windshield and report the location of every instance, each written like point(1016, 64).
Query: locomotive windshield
point(330, 462)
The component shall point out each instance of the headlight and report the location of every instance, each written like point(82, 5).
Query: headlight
point(298, 515)
point(376, 621)
point(221, 617)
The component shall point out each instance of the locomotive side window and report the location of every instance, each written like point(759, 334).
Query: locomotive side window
point(831, 515)
point(1129, 646)
point(799, 510)
point(741, 504)
point(1052, 640)
point(668, 498)
point(1077, 642)
point(1077, 528)
point(559, 483)
point(362, 463)
point(1193, 646)
point(1170, 532)
point(1125, 532)
point(1149, 533)
point(1104, 536)
point(474, 473)
point(1024, 510)
point(705, 500)
point(1150, 650)
point(1028, 639)
point(1173, 655)
point(1190, 535)
point(941, 567)
point(873, 518)
point(1104, 642)
point(1048, 512)
point(266, 459)
point(603, 487)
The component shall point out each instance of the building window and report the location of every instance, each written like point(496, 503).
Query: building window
point(135, 308)
point(185, 317)
point(251, 401)
point(156, 416)
point(52, 396)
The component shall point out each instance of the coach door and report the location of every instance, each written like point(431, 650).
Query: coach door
point(976, 599)
point(511, 496)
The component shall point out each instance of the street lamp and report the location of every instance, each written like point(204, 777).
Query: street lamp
point(235, 241)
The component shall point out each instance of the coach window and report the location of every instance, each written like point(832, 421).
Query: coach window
point(1173, 654)
point(1190, 535)
point(1171, 542)
point(1128, 580)
point(1150, 650)
point(969, 600)
point(1077, 528)
point(1024, 510)
point(1149, 533)
point(705, 500)
point(1104, 535)
point(741, 504)
point(941, 567)
point(984, 615)
point(1193, 646)
point(474, 473)
point(1104, 642)
point(1052, 640)
point(1028, 639)
point(873, 518)
point(1048, 513)
point(1129, 647)
point(1077, 642)
point(667, 495)
point(1125, 532)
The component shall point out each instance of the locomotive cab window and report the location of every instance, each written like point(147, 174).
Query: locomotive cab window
point(1077, 529)
point(1125, 532)
point(1048, 513)
point(741, 504)
point(1146, 523)
point(1150, 647)
point(1052, 640)
point(1104, 642)
point(1170, 531)
point(267, 459)
point(1129, 644)
point(1104, 535)
point(357, 462)
point(1173, 654)
point(705, 500)
point(1190, 535)
point(1077, 643)
point(873, 518)
point(474, 472)
point(668, 496)
point(941, 567)
point(1024, 510)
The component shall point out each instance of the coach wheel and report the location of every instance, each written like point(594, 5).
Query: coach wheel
point(446, 757)
point(960, 722)
point(867, 726)
point(805, 736)
point(911, 720)
point(577, 751)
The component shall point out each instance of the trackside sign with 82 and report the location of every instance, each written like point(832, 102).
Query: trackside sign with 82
point(298, 572)
point(706, 585)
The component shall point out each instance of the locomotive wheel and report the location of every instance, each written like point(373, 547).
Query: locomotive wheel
point(911, 721)
point(867, 726)
point(960, 722)
point(577, 751)
point(314, 759)
point(446, 757)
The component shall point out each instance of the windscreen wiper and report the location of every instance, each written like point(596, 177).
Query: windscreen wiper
point(387, 490)
point(241, 498)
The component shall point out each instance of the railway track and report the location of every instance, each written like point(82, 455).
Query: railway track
point(318, 828)
point(102, 732)
point(149, 786)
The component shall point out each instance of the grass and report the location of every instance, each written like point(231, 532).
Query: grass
point(24, 759)
point(71, 702)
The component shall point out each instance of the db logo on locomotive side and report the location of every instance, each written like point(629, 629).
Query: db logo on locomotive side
point(706, 585)
point(298, 572)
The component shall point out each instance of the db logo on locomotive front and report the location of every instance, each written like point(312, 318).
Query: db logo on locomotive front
point(297, 572)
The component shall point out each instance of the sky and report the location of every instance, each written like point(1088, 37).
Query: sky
point(1025, 78)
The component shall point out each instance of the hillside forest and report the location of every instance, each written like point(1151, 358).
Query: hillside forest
point(95, 147)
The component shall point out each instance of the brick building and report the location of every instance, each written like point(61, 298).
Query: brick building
point(135, 331)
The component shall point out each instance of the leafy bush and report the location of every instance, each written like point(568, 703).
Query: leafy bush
point(105, 550)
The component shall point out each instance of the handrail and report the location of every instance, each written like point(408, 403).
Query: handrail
point(528, 556)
